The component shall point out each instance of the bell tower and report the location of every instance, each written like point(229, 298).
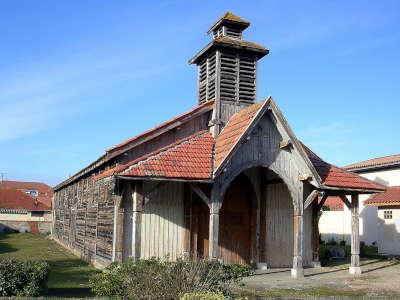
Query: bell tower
point(227, 69)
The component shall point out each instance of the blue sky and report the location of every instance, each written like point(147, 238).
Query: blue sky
point(77, 77)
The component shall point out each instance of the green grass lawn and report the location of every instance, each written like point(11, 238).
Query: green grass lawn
point(69, 276)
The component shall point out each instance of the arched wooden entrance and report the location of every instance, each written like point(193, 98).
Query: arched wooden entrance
point(237, 222)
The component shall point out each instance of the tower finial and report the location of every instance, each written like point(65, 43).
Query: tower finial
point(229, 25)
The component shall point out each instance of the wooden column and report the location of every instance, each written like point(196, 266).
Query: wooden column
point(355, 237)
point(315, 234)
point(214, 229)
point(116, 228)
point(137, 198)
point(297, 270)
point(298, 236)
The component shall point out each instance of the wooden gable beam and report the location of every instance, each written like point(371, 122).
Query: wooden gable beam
point(313, 195)
point(324, 197)
point(195, 188)
point(345, 201)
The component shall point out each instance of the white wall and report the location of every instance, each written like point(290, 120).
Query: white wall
point(25, 217)
point(337, 224)
point(389, 231)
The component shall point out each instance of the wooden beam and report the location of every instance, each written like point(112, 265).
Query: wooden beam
point(213, 230)
point(137, 219)
point(313, 195)
point(284, 143)
point(195, 188)
point(322, 202)
point(304, 177)
point(345, 201)
point(355, 237)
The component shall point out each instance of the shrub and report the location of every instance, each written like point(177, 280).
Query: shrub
point(22, 278)
point(157, 279)
point(203, 296)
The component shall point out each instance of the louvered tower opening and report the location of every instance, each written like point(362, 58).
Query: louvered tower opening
point(207, 78)
point(227, 68)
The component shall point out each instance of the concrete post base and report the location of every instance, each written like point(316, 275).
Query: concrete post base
point(316, 264)
point(297, 273)
point(262, 266)
point(355, 270)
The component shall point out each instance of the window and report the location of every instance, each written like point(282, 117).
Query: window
point(33, 193)
point(387, 214)
point(37, 213)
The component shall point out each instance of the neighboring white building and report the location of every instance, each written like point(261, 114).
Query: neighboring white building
point(335, 224)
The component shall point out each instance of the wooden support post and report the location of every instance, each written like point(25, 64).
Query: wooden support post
point(315, 235)
point(214, 229)
point(355, 237)
point(297, 270)
point(116, 228)
point(137, 198)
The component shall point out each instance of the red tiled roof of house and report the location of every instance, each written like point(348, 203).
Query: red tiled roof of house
point(189, 158)
point(45, 191)
point(375, 162)
point(389, 197)
point(332, 176)
point(162, 125)
point(11, 198)
point(333, 202)
point(232, 132)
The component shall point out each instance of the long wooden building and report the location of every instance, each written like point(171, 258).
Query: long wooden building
point(226, 180)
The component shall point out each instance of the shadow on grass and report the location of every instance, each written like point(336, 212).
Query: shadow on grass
point(4, 246)
point(69, 292)
point(70, 278)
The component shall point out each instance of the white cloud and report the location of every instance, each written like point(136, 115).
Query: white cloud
point(37, 96)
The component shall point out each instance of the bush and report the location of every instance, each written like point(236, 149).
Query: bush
point(203, 296)
point(156, 279)
point(22, 278)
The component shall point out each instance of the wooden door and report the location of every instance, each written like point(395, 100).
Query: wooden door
point(235, 236)
point(200, 228)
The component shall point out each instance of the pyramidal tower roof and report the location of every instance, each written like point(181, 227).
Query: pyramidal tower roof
point(229, 18)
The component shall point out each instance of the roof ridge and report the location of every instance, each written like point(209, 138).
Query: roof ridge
point(371, 159)
point(159, 126)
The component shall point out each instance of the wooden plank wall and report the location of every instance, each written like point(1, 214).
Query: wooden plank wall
point(186, 129)
point(279, 226)
point(84, 218)
point(163, 222)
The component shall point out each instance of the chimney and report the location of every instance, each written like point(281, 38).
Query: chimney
point(227, 69)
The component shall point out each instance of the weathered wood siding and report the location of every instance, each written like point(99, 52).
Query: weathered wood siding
point(83, 219)
point(163, 222)
point(279, 226)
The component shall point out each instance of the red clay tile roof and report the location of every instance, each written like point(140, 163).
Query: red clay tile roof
point(162, 125)
point(390, 197)
point(332, 176)
point(188, 158)
point(45, 191)
point(11, 198)
point(232, 132)
point(333, 202)
point(375, 162)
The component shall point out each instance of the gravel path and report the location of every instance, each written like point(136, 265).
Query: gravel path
point(380, 277)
